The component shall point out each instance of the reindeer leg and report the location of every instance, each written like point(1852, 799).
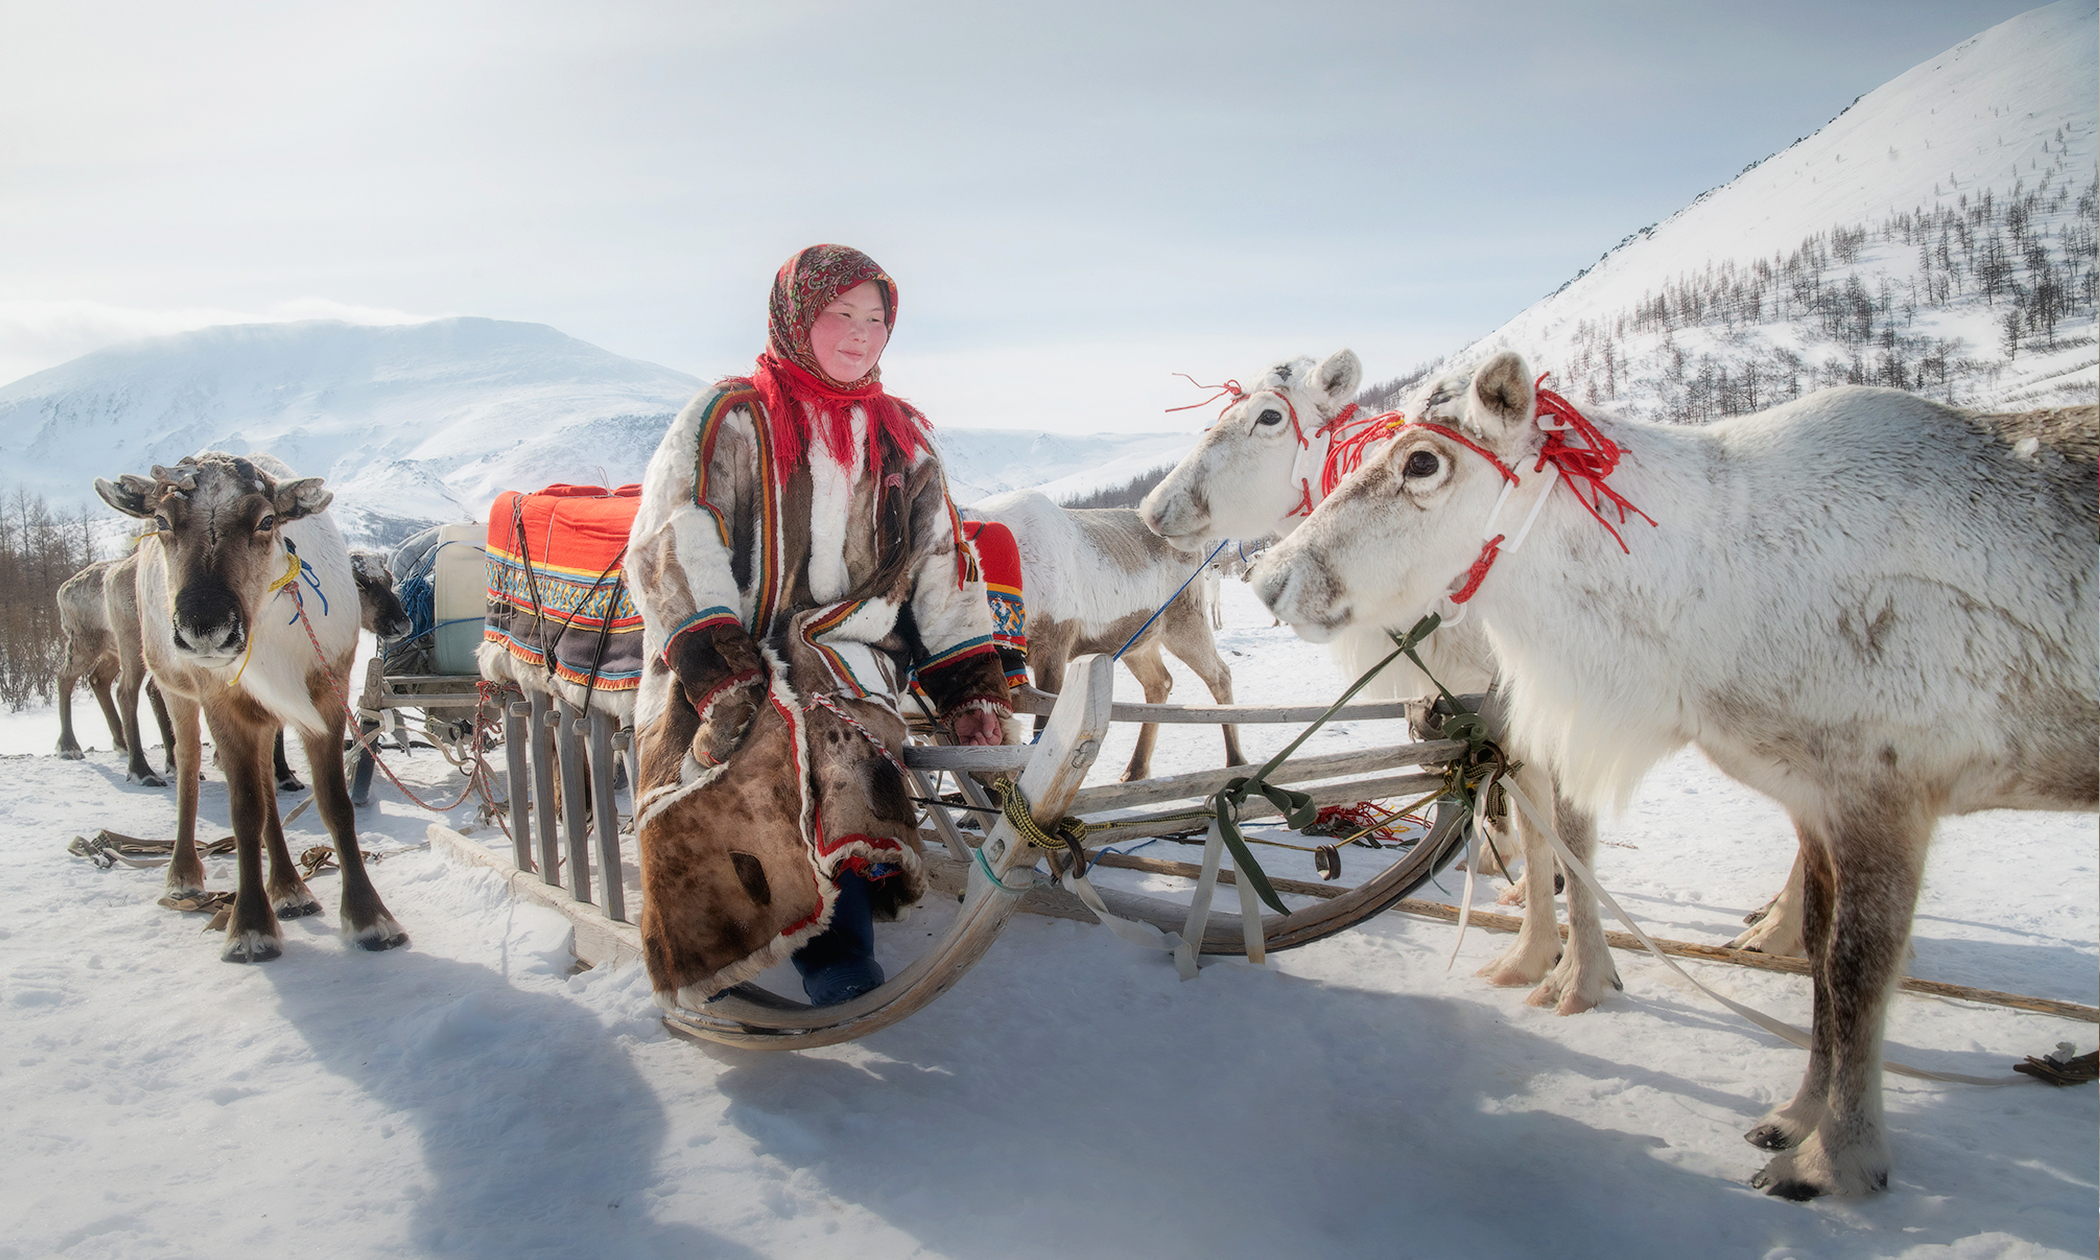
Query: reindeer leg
point(1047, 663)
point(186, 868)
point(1777, 927)
point(69, 747)
point(160, 715)
point(364, 916)
point(280, 769)
point(128, 683)
point(101, 681)
point(1537, 946)
point(289, 895)
point(1145, 663)
point(237, 727)
point(1879, 862)
point(1189, 638)
point(1785, 1127)
point(1585, 972)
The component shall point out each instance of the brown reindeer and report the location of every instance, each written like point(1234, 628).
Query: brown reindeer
point(95, 652)
point(247, 622)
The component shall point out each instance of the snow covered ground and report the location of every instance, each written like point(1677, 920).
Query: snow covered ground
point(469, 1096)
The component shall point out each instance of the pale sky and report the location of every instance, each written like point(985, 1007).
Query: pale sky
point(1077, 199)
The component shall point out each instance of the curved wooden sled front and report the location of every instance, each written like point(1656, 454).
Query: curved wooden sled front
point(1050, 780)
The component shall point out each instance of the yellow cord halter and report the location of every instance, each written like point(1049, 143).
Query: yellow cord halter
point(291, 575)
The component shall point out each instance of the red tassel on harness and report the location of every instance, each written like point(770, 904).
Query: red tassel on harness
point(1590, 464)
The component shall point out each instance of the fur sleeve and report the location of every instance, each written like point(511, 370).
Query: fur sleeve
point(678, 551)
point(961, 667)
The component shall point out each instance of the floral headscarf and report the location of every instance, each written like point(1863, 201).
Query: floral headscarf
point(799, 397)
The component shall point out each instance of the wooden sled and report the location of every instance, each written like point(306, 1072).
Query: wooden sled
point(997, 876)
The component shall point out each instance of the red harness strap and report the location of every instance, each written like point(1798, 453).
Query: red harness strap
point(1590, 464)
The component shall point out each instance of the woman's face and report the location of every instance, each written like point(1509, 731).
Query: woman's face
point(848, 337)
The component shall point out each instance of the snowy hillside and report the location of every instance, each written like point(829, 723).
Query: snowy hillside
point(1939, 235)
point(420, 423)
point(409, 423)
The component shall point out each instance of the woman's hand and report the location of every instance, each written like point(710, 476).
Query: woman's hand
point(978, 726)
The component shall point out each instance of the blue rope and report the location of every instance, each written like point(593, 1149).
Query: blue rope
point(419, 601)
point(1170, 599)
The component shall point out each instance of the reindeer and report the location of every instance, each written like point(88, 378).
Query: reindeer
point(1093, 577)
point(380, 613)
point(98, 607)
point(1873, 608)
point(1260, 470)
point(94, 651)
point(230, 636)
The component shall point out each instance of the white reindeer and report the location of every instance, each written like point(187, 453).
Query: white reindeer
point(229, 635)
point(1875, 609)
point(1092, 577)
point(1262, 469)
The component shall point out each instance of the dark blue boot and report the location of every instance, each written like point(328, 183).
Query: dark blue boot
point(839, 964)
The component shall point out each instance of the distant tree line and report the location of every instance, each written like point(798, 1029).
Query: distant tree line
point(1388, 395)
point(39, 549)
point(1127, 495)
point(1986, 247)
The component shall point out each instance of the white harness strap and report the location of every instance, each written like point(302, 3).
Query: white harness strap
point(1142, 935)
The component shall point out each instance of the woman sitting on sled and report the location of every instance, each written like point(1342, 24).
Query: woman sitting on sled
point(797, 563)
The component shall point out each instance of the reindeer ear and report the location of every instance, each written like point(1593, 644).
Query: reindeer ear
point(304, 497)
point(1339, 376)
point(1502, 397)
point(129, 494)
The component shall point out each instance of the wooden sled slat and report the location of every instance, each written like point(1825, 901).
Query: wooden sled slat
point(1342, 909)
point(1168, 822)
point(1032, 700)
point(1199, 783)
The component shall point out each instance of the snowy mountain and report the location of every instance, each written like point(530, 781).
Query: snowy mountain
point(419, 423)
point(1938, 235)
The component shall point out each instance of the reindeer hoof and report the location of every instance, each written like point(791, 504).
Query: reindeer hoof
point(147, 779)
point(290, 783)
point(296, 909)
point(71, 754)
point(382, 935)
point(1792, 1189)
point(1771, 1137)
point(250, 947)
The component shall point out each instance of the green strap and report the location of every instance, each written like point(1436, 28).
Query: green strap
point(1297, 807)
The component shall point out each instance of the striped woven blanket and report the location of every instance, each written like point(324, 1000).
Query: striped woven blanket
point(557, 600)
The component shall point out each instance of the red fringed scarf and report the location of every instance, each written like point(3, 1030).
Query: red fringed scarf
point(801, 404)
point(800, 400)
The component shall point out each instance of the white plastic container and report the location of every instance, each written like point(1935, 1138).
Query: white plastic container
point(459, 602)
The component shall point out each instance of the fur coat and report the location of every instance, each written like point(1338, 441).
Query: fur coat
point(780, 622)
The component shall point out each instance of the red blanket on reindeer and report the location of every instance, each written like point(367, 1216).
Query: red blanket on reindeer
point(999, 560)
point(557, 601)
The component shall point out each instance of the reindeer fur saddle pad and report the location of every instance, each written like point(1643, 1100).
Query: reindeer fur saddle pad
point(557, 599)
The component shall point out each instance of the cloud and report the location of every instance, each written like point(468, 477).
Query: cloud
point(35, 335)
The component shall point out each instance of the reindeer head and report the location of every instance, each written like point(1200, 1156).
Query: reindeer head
point(1398, 532)
point(217, 518)
point(379, 608)
point(1239, 481)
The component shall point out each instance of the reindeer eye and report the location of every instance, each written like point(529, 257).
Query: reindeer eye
point(266, 524)
point(1421, 464)
point(160, 523)
point(1271, 416)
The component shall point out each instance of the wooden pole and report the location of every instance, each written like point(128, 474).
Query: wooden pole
point(1623, 940)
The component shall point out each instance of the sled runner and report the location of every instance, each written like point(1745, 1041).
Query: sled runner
point(994, 871)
